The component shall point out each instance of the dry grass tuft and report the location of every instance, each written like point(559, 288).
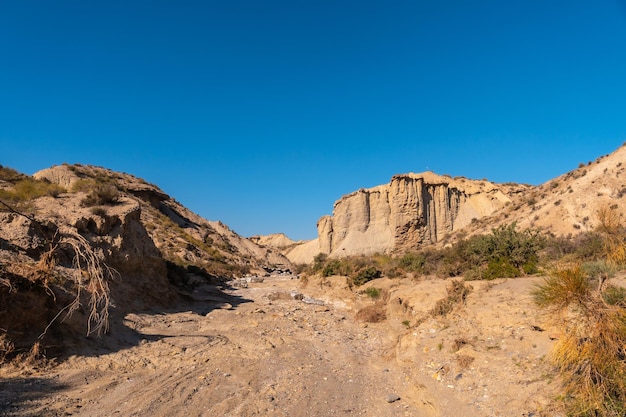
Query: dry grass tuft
point(457, 294)
point(372, 314)
point(591, 355)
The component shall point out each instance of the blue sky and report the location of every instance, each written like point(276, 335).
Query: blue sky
point(262, 114)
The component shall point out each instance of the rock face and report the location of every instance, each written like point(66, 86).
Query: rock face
point(412, 210)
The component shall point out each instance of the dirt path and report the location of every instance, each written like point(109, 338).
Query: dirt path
point(260, 351)
point(268, 354)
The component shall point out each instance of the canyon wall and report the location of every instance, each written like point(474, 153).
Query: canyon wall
point(410, 211)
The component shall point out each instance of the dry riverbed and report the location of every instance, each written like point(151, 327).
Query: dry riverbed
point(282, 348)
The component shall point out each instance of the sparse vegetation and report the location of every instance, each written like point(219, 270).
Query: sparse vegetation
point(102, 195)
point(364, 275)
point(590, 354)
point(98, 211)
point(506, 252)
point(26, 189)
point(457, 293)
point(372, 292)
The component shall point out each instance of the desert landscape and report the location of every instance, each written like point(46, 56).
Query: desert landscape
point(117, 300)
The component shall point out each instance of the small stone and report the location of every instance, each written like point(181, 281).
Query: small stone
point(392, 398)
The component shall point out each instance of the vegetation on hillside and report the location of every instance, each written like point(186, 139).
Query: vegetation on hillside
point(18, 190)
point(506, 252)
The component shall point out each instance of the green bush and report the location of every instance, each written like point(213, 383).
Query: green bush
point(412, 262)
point(363, 276)
point(372, 292)
point(615, 296)
point(506, 252)
point(319, 261)
point(336, 267)
point(500, 268)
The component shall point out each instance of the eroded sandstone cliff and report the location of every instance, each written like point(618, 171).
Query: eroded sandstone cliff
point(410, 211)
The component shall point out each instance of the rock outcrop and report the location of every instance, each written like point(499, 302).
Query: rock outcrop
point(411, 211)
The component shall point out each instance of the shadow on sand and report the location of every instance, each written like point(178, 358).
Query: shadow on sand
point(201, 301)
point(22, 396)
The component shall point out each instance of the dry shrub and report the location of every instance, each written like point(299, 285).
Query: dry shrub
point(457, 294)
point(85, 281)
point(6, 347)
point(90, 275)
point(591, 354)
point(610, 227)
point(372, 314)
point(102, 195)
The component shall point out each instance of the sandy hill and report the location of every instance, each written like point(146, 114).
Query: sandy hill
point(568, 204)
point(275, 240)
point(417, 210)
point(95, 241)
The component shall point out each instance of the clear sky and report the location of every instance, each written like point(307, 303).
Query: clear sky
point(262, 114)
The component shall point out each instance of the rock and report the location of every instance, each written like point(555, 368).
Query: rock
point(411, 210)
point(309, 300)
point(392, 398)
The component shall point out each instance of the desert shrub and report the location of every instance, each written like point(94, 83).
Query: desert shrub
point(506, 252)
point(599, 270)
point(517, 247)
point(102, 195)
point(372, 292)
point(590, 354)
point(500, 268)
point(615, 296)
point(412, 262)
point(457, 294)
point(319, 261)
point(588, 246)
point(83, 185)
point(363, 276)
point(55, 190)
point(613, 233)
point(336, 267)
point(372, 314)
point(98, 211)
point(10, 175)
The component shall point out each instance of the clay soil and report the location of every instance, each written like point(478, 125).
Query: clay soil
point(283, 347)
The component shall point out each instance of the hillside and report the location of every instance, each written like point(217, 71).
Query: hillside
point(72, 233)
point(568, 204)
point(419, 210)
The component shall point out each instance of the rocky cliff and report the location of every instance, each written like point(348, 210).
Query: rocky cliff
point(410, 211)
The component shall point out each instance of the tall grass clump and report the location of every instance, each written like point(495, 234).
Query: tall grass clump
point(590, 355)
point(591, 352)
